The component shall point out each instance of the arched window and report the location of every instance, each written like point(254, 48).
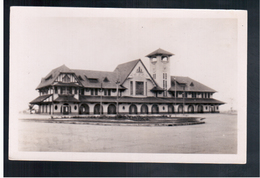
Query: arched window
point(155, 109)
point(144, 109)
point(84, 109)
point(180, 109)
point(170, 109)
point(111, 109)
point(133, 109)
point(191, 109)
point(97, 109)
point(200, 109)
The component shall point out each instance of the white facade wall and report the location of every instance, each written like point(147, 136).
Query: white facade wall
point(163, 108)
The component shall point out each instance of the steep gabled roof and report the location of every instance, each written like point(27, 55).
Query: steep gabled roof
point(125, 69)
point(50, 78)
point(159, 52)
point(190, 85)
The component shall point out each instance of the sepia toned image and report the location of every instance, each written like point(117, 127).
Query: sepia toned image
point(128, 85)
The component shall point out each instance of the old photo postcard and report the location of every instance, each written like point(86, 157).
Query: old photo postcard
point(128, 85)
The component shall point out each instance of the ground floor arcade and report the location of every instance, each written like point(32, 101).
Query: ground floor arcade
point(125, 108)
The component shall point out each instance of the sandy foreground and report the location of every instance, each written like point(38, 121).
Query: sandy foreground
point(217, 135)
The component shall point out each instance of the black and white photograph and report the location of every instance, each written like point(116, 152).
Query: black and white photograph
point(128, 85)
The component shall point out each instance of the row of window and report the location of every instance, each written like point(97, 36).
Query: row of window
point(193, 94)
point(65, 90)
point(68, 90)
point(94, 91)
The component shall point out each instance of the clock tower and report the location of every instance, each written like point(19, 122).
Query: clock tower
point(160, 68)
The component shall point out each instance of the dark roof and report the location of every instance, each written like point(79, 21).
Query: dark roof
point(190, 85)
point(193, 101)
point(66, 98)
point(125, 69)
point(125, 99)
point(93, 79)
point(159, 52)
point(49, 79)
point(39, 99)
point(157, 88)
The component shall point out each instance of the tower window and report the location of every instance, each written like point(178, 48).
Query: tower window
point(165, 59)
point(154, 59)
point(165, 84)
point(164, 75)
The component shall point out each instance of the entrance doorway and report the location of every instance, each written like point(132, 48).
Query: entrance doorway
point(65, 109)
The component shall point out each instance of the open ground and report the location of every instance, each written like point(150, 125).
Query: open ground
point(217, 135)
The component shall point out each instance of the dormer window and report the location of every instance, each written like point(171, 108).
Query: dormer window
point(66, 79)
point(93, 80)
point(105, 79)
point(191, 84)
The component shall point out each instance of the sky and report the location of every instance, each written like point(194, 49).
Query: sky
point(205, 45)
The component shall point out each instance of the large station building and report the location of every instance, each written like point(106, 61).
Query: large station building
point(129, 89)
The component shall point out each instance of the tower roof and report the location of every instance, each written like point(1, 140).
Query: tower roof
point(159, 52)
